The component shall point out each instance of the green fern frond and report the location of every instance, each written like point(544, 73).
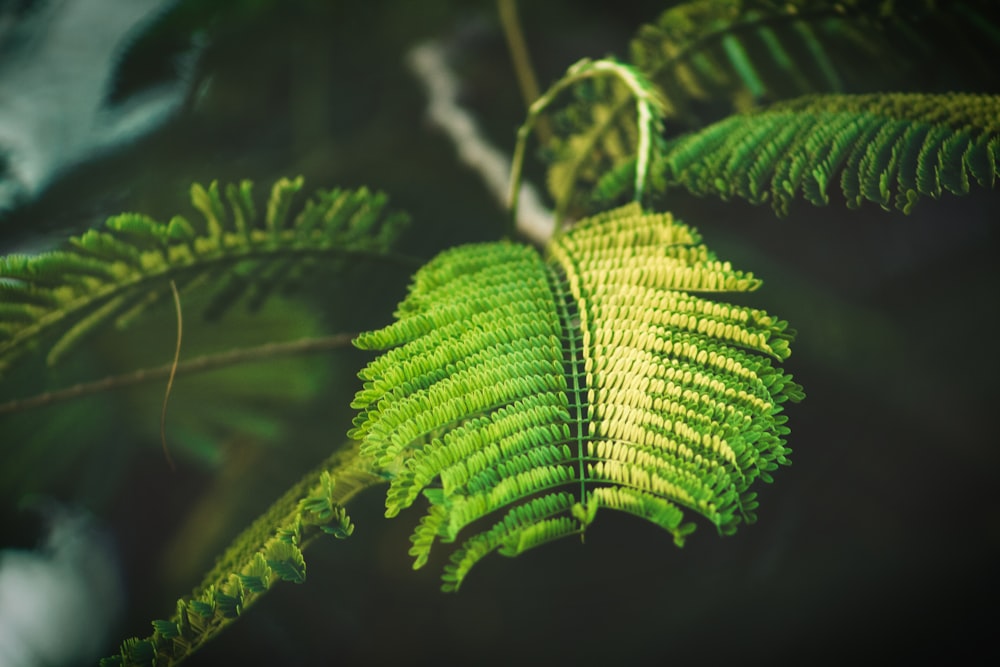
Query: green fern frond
point(543, 389)
point(888, 149)
point(267, 552)
point(58, 297)
point(747, 51)
point(709, 58)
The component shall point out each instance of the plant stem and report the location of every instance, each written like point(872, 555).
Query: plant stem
point(201, 364)
point(173, 373)
point(649, 112)
point(521, 59)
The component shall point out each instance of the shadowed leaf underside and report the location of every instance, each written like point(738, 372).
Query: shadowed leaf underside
point(521, 393)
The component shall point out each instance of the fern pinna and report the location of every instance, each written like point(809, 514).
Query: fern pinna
point(537, 391)
point(268, 551)
point(888, 149)
point(114, 274)
point(704, 59)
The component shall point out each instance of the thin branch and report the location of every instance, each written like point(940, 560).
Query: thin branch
point(173, 372)
point(201, 364)
point(521, 59)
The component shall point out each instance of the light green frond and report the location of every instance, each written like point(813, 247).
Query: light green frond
point(112, 274)
point(426, 533)
point(468, 349)
point(465, 458)
point(888, 149)
point(632, 389)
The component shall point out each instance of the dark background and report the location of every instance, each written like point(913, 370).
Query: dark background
point(880, 541)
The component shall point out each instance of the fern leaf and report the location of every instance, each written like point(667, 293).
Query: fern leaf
point(709, 58)
point(541, 389)
point(888, 149)
point(270, 550)
point(748, 51)
point(115, 273)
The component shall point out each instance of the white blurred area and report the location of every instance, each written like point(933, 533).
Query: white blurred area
point(428, 62)
point(58, 60)
point(60, 602)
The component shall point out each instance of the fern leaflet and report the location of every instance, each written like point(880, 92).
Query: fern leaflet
point(708, 58)
point(115, 273)
point(544, 389)
point(267, 552)
point(749, 51)
point(888, 149)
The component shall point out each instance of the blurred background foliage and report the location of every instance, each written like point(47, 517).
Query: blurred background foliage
point(882, 535)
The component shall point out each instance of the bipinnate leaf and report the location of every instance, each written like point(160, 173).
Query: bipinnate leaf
point(55, 299)
point(530, 392)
